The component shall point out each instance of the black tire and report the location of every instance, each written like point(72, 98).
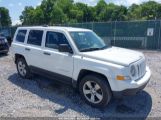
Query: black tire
point(6, 53)
point(105, 88)
point(28, 74)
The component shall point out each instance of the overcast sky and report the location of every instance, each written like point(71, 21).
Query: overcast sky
point(16, 6)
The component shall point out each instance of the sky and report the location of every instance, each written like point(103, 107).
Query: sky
point(16, 6)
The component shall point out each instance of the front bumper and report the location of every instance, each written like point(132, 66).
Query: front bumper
point(4, 51)
point(135, 86)
point(4, 48)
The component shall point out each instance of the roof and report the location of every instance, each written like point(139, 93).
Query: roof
point(56, 28)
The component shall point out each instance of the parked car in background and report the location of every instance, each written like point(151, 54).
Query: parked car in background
point(7, 36)
point(80, 58)
point(4, 46)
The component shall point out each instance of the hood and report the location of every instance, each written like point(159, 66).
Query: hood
point(115, 55)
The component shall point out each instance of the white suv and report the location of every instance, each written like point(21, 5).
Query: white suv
point(82, 59)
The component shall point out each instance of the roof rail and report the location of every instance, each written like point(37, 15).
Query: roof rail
point(45, 26)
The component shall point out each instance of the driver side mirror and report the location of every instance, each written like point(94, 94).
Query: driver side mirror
point(65, 48)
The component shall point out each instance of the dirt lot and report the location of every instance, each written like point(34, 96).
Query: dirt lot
point(41, 97)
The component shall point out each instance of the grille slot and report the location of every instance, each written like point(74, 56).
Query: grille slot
point(140, 68)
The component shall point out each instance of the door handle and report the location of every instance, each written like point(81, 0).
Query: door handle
point(27, 49)
point(46, 53)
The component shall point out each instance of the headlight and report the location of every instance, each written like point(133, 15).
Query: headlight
point(133, 71)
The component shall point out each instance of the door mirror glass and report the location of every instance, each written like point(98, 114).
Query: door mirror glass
point(65, 48)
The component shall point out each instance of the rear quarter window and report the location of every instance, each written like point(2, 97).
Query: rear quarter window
point(20, 37)
point(35, 37)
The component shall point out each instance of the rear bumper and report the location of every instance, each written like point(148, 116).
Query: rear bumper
point(135, 86)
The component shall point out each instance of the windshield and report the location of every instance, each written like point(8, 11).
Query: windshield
point(87, 41)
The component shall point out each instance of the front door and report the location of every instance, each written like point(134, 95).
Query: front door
point(53, 60)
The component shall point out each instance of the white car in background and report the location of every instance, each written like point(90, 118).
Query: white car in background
point(82, 59)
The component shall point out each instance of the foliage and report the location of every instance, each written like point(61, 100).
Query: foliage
point(67, 11)
point(5, 19)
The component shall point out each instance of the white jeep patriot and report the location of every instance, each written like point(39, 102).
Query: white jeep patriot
point(82, 59)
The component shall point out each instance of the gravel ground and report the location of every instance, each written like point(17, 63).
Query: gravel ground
point(41, 97)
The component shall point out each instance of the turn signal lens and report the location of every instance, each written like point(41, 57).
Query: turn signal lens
point(119, 77)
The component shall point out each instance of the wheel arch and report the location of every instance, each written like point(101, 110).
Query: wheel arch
point(18, 56)
point(85, 72)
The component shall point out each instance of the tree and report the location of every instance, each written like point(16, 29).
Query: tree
point(158, 11)
point(110, 9)
point(100, 10)
point(5, 19)
point(57, 16)
point(149, 10)
point(67, 8)
point(38, 16)
point(66, 11)
point(119, 13)
point(47, 8)
point(134, 12)
point(107, 14)
point(87, 12)
point(27, 16)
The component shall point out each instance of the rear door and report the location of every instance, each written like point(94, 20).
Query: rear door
point(33, 48)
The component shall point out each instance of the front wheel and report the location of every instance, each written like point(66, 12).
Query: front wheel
point(95, 90)
point(23, 69)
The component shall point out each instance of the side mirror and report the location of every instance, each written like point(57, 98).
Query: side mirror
point(65, 48)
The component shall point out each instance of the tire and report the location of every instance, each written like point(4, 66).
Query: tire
point(23, 69)
point(6, 53)
point(98, 97)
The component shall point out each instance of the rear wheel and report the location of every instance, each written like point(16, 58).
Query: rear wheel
point(22, 68)
point(95, 90)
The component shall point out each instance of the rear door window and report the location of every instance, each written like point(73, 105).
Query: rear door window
point(21, 35)
point(35, 37)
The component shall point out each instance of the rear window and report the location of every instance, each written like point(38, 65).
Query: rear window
point(21, 35)
point(35, 37)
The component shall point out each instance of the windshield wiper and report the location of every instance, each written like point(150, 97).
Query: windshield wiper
point(89, 49)
point(104, 47)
